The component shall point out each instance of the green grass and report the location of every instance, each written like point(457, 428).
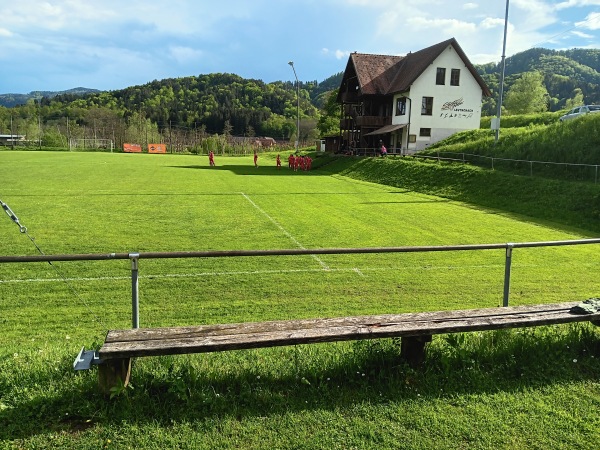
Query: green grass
point(511, 389)
point(538, 138)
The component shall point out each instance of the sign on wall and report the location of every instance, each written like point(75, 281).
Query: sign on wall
point(455, 110)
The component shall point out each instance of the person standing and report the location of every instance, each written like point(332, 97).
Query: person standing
point(211, 158)
point(278, 161)
point(383, 150)
point(255, 159)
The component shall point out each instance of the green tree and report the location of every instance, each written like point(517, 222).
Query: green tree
point(527, 95)
point(329, 122)
point(577, 99)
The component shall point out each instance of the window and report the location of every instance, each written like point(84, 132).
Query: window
point(455, 77)
point(427, 106)
point(425, 132)
point(440, 77)
point(401, 106)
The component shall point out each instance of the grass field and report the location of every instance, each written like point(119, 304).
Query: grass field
point(484, 390)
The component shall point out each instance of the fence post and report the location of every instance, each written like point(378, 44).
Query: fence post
point(507, 266)
point(596, 179)
point(492, 163)
point(530, 168)
point(135, 299)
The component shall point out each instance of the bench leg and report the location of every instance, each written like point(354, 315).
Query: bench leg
point(413, 349)
point(114, 372)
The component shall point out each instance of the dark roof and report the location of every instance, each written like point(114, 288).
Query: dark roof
point(375, 72)
point(384, 75)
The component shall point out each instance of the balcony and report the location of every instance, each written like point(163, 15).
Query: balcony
point(373, 121)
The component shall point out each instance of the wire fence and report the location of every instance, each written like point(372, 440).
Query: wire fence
point(584, 172)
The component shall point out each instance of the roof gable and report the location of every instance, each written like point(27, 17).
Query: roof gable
point(375, 73)
point(385, 75)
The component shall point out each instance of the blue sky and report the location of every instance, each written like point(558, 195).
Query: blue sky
point(112, 44)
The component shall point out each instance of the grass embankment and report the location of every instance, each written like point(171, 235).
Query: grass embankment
point(508, 389)
point(538, 138)
point(569, 203)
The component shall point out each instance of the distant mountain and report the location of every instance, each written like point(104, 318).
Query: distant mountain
point(10, 100)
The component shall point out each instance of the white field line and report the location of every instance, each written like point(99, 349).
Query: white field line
point(249, 272)
point(357, 270)
point(284, 231)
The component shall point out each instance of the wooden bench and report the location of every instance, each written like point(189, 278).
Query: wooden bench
point(415, 329)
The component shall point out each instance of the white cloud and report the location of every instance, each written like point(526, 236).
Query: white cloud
point(185, 54)
point(450, 26)
point(591, 22)
point(5, 33)
point(576, 3)
point(532, 14)
point(338, 54)
point(470, 6)
point(489, 23)
point(582, 35)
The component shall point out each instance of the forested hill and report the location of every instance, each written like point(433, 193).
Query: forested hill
point(214, 103)
point(564, 72)
point(10, 100)
point(229, 104)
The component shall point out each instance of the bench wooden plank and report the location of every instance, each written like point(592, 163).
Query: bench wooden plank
point(213, 338)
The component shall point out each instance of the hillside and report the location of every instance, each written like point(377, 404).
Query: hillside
point(564, 72)
point(11, 100)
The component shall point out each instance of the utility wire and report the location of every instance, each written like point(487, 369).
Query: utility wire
point(23, 230)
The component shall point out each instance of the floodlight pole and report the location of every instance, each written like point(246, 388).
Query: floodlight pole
point(291, 63)
point(499, 113)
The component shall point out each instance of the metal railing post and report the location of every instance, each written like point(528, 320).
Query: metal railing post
point(507, 266)
point(135, 298)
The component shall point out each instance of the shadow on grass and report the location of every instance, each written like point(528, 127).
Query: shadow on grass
point(261, 170)
point(244, 385)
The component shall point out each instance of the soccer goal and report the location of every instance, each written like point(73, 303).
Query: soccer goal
point(91, 144)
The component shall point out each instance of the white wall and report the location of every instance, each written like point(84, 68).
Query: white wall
point(455, 108)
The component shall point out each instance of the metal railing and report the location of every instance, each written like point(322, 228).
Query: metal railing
point(492, 162)
point(135, 257)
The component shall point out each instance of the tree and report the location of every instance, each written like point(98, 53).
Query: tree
point(577, 99)
point(527, 95)
point(329, 122)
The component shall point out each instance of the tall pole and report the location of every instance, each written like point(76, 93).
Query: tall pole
point(291, 63)
point(499, 113)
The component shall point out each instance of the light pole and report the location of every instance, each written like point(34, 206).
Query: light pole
point(499, 111)
point(291, 63)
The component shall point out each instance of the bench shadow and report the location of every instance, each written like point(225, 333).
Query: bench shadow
point(173, 390)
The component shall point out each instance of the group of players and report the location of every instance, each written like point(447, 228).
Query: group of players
point(295, 163)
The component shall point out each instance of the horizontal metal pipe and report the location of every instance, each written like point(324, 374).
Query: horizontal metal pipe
point(287, 252)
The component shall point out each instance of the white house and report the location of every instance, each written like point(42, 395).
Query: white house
point(409, 102)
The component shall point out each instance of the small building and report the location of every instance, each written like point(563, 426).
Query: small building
point(11, 139)
point(409, 102)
